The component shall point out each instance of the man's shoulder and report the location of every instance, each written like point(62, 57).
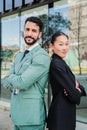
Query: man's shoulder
point(39, 50)
point(17, 55)
point(42, 52)
point(41, 56)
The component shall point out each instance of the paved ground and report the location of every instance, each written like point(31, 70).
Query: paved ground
point(6, 123)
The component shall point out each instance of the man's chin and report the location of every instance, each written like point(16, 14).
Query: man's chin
point(30, 43)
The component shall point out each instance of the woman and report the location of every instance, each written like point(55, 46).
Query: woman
point(66, 90)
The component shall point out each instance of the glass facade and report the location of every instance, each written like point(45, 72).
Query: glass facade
point(28, 1)
point(78, 37)
point(1, 6)
point(66, 15)
point(17, 3)
point(8, 5)
point(10, 45)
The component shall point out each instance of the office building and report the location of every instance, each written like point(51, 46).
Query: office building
point(69, 16)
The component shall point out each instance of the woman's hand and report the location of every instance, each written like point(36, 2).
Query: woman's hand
point(77, 86)
point(65, 93)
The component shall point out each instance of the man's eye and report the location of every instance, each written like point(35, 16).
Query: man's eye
point(34, 30)
point(27, 29)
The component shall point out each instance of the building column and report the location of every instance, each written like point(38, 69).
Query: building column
point(0, 57)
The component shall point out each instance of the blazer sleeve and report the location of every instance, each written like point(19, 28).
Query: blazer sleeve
point(12, 69)
point(66, 81)
point(83, 92)
point(5, 82)
point(35, 71)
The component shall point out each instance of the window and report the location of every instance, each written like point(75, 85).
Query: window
point(78, 38)
point(8, 5)
point(28, 1)
point(73, 16)
point(70, 17)
point(10, 46)
point(1, 5)
point(17, 3)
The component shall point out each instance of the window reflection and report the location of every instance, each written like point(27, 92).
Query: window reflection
point(10, 41)
point(75, 15)
point(58, 19)
point(10, 46)
point(17, 3)
point(70, 19)
point(28, 1)
point(1, 5)
point(78, 37)
point(8, 5)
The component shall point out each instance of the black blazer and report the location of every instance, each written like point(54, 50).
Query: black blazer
point(62, 112)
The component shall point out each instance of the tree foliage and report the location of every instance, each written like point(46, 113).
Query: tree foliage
point(52, 23)
point(6, 54)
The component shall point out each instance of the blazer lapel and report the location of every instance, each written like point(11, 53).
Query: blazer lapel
point(27, 59)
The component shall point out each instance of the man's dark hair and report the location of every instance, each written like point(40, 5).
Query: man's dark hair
point(36, 20)
point(57, 34)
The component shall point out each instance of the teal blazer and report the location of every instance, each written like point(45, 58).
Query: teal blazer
point(30, 77)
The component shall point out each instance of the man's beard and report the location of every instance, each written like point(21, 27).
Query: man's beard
point(30, 43)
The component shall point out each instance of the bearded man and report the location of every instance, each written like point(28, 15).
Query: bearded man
point(27, 79)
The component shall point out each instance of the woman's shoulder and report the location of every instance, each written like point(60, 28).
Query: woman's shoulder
point(58, 63)
point(56, 59)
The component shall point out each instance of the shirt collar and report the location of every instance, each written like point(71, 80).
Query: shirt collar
point(36, 44)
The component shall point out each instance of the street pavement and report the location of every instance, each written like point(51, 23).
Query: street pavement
point(6, 123)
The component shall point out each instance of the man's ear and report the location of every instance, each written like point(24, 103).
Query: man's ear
point(40, 35)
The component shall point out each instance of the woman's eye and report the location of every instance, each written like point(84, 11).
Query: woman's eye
point(60, 44)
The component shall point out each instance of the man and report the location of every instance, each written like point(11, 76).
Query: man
point(27, 79)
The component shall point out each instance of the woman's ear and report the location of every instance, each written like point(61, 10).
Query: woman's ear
point(50, 49)
point(51, 46)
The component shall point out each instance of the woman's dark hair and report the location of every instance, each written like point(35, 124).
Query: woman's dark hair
point(35, 20)
point(57, 34)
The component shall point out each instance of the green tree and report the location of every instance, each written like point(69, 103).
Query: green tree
point(6, 56)
point(53, 23)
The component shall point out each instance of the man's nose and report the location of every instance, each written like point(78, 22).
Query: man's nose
point(30, 33)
